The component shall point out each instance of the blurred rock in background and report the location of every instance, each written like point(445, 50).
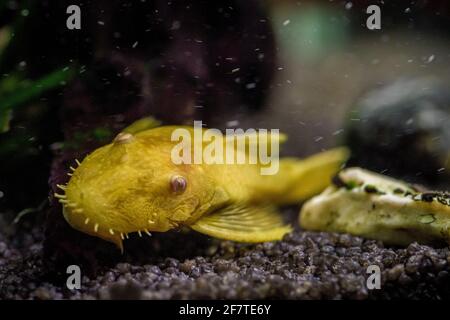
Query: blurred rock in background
point(403, 129)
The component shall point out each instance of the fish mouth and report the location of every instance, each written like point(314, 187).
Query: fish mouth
point(81, 218)
point(78, 217)
point(83, 223)
point(86, 225)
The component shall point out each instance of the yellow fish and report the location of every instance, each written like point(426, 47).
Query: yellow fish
point(132, 185)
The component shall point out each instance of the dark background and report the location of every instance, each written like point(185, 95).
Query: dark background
point(304, 67)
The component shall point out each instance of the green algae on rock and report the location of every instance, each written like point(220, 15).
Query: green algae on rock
point(367, 204)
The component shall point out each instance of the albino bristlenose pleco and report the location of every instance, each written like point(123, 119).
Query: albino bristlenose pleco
point(132, 185)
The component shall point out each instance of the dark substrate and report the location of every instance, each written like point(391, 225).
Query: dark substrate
point(305, 265)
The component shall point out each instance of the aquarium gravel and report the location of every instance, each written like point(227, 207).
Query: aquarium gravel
point(305, 265)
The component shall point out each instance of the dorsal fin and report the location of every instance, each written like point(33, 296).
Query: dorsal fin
point(142, 124)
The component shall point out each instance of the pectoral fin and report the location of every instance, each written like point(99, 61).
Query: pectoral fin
point(243, 224)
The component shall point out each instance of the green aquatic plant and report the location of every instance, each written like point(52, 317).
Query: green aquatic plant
point(17, 93)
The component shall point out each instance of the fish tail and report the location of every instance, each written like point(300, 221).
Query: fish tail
point(304, 178)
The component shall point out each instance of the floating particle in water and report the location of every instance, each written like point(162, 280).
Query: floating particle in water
point(56, 146)
point(233, 123)
point(348, 5)
point(100, 23)
point(2, 194)
point(430, 59)
point(175, 25)
point(286, 22)
point(235, 70)
point(251, 85)
point(134, 45)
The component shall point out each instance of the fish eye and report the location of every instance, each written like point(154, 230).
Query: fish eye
point(178, 184)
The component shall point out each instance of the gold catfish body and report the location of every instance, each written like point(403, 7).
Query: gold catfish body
point(132, 185)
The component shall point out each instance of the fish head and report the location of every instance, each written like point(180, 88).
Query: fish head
point(131, 185)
